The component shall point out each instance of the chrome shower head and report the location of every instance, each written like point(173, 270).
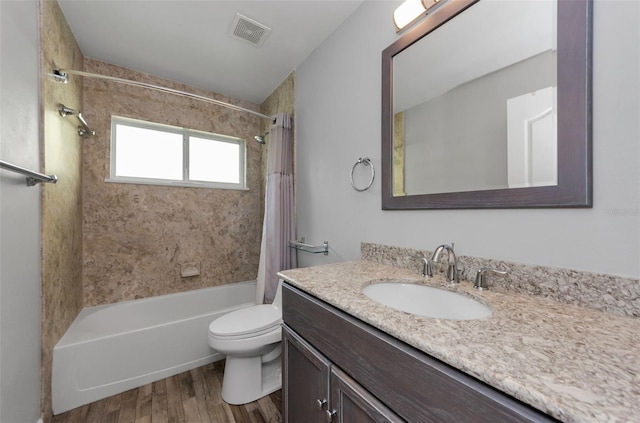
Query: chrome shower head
point(261, 139)
point(66, 111)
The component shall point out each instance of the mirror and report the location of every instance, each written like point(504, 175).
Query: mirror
point(486, 104)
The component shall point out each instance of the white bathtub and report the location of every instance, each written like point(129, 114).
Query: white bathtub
point(116, 347)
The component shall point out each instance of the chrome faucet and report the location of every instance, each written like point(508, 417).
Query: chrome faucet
point(481, 278)
point(452, 270)
point(427, 270)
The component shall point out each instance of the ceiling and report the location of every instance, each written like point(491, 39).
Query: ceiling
point(189, 42)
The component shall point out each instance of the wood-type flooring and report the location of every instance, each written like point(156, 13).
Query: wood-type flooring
point(189, 397)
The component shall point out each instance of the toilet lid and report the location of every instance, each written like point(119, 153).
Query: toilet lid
point(250, 320)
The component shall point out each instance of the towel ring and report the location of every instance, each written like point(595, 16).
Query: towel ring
point(367, 162)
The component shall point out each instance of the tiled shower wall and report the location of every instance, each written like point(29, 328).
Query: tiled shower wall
point(136, 237)
point(61, 202)
point(281, 100)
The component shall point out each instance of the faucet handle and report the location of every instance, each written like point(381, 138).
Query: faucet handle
point(427, 270)
point(481, 277)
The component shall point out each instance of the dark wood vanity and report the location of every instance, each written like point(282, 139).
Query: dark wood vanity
point(338, 368)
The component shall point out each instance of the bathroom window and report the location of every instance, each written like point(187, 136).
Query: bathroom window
point(151, 153)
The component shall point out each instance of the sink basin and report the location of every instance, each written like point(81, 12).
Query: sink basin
point(426, 301)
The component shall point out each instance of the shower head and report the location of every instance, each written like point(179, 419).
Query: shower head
point(261, 139)
point(66, 111)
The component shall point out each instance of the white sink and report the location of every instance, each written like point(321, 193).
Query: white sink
point(426, 301)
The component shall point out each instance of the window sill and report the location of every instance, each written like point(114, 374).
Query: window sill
point(183, 184)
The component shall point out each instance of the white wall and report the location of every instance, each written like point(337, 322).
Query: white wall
point(338, 120)
point(467, 126)
point(19, 215)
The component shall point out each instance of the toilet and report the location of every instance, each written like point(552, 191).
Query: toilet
point(250, 338)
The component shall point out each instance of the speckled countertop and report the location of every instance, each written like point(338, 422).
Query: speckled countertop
point(573, 363)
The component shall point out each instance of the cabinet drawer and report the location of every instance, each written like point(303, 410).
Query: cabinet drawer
point(413, 384)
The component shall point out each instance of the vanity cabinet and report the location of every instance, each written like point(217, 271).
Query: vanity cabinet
point(367, 375)
point(305, 376)
point(317, 391)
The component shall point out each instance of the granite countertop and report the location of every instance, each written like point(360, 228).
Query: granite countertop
point(573, 363)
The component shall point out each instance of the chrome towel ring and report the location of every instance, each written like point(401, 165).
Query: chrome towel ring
point(367, 162)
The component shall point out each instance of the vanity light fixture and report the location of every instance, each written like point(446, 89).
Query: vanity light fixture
point(410, 11)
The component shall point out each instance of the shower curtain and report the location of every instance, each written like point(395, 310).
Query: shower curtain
point(279, 219)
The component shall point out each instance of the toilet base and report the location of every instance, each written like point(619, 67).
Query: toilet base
point(247, 379)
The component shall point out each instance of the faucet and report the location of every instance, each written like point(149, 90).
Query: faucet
point(452, 270)
point(427, 270)
point(481, 278)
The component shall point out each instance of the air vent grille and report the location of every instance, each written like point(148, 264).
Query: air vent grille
point(249, 30)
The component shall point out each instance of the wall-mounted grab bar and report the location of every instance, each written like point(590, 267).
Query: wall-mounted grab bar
point(32, 177)
point(84, 128)
point(313, 249)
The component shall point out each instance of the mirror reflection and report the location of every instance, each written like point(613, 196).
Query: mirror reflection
point(475, 104)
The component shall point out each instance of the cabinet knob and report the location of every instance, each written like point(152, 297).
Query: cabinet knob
point(329, 414)
point(322, 403)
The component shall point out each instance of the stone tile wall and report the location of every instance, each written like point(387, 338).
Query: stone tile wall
point(136, 237)
point(61, 261)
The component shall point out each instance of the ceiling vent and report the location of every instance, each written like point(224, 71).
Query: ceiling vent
point(246, 29)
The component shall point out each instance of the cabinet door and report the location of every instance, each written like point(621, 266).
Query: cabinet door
point(351, 403)
point(305, 381)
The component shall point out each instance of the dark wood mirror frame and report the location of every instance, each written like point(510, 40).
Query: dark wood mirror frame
point(574, 189)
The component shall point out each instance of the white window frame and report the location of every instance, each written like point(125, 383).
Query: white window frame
point(186, 133)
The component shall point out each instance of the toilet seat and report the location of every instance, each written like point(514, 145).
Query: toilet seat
point(247, 322)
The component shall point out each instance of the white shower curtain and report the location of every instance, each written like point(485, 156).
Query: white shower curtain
point(279, 219)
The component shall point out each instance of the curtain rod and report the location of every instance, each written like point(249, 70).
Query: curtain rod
point(61, 75)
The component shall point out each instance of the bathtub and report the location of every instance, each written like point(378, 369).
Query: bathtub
point(112, 348)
